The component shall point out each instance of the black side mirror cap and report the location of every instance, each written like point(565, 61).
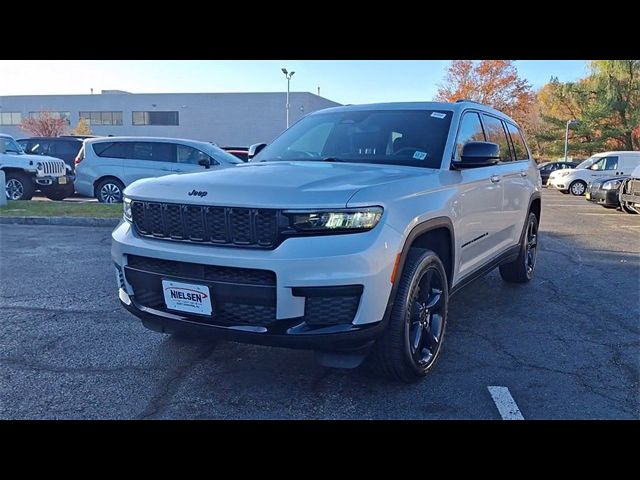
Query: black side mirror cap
point(204, 162)
point(478, 154)
point(255, 149)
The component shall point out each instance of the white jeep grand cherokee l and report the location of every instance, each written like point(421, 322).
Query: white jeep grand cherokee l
point(347, 235)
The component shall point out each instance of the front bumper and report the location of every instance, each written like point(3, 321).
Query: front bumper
point(54, 183)
point(606, 198)
point(299, 265)
point(558, 183)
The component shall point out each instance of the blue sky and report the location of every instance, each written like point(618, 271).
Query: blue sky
point(345, 81)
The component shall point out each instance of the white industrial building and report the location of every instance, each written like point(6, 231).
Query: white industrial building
point(237, 119)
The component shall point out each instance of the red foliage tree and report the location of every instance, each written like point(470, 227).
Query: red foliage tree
point(44, 125)
point(493, 82)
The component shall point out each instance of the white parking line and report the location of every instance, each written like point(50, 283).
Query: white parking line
point(507, 406)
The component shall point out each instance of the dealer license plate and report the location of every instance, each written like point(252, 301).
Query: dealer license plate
point(187, 297)
point(62, 180)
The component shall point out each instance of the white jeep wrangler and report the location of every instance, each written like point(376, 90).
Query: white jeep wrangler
point(347, 235)
point(24, 174)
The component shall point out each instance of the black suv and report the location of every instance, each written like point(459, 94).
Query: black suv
point(65, 147)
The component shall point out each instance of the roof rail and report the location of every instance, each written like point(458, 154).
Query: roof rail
point(460, 100)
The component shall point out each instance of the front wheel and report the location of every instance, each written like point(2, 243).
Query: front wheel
point(408, 350)
point(521, 269)
point(578, 188)
point(19, 186)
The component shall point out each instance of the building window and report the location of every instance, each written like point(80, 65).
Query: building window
point(10, 118)
point(66, 116)
point(155, 118)
point(102, 118)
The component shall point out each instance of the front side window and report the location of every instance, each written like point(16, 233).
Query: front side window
point(605, 163)
point(8, 145)
point(470, 131)
point(192, 155)
point(395, 137)
point(496, 134)
point(517, 140)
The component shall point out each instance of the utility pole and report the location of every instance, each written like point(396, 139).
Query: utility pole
point(288, 75)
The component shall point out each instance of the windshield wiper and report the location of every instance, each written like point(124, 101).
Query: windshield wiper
point(332, 159)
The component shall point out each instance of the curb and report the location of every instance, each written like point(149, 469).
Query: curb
point(68, 221)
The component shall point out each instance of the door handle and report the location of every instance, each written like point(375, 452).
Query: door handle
point(495, 178)
point(523, 173)
point(166, 170)
point(179, 171)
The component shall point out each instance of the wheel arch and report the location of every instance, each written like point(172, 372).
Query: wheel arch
point(435, 234)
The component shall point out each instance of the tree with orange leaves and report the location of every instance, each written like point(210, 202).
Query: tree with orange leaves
point(493, 82)
point(44, 124)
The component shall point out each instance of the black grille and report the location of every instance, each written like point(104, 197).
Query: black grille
point(249, 276)
point(633, 187)
point(330, 310)
point(243, 227)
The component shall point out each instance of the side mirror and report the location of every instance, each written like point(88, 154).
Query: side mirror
point(205, 162)
point(255, 149)
point(478, 154)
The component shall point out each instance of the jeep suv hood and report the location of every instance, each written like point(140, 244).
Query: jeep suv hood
point(272, 184)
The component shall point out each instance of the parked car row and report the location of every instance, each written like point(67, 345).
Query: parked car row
point(600, 178)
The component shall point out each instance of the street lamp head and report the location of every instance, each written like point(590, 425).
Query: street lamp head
point(574, 122)
point(284, 70)
point(291, 75)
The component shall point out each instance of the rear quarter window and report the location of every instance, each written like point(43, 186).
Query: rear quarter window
point(112, 149)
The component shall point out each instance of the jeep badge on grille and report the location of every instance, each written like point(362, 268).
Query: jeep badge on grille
point(196, 193)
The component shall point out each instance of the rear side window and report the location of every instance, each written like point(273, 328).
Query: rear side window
point(496, 134)
point(154, 151)
point(470, 131)
point(113, 149)
point(519, 147)
point(68, 148)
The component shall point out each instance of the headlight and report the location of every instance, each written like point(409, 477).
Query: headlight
point(126, 203)
point(38, 166)
point(339, 221)
point(611, 185)
point(564, 173)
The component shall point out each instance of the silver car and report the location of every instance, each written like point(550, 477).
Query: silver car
point(105, 166)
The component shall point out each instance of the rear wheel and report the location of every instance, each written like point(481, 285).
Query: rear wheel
point(522, 268)
point(409, 348)
point(19, 186)
point(578, 188)
point(109, 190)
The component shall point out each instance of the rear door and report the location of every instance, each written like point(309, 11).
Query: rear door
point(149, 159)
point(188, 160)
point(520, 182)
point(507, 172)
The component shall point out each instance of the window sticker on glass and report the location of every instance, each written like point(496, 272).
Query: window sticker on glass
point(438, 115)
point(420, 155)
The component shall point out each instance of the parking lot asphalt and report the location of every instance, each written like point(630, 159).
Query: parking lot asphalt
point(566, 346)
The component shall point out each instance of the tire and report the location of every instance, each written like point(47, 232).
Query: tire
point(19, 186)
point(59, 194)
point(522, 268)
point(578, 188)
point(109, 190)
point(627, 208)
point(413, 322)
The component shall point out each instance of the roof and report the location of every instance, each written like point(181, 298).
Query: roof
point(460, 105)
point(143, 139)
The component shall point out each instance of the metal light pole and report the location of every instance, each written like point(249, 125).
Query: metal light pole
point(570, 123)
point(288, 75)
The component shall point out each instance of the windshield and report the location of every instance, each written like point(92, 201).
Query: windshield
point(223, 156)
point(9, 145)
point(397, 137)
point(588, 162)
